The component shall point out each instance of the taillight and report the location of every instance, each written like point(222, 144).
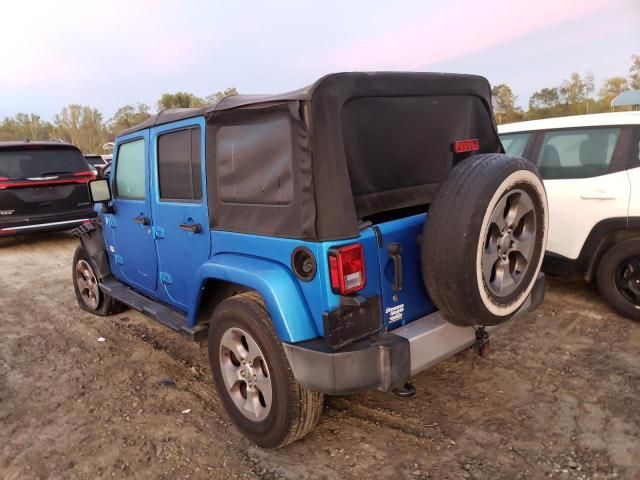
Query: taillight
point(346, 269)
point(467, 145)
point(3, 182)
point(88, 173)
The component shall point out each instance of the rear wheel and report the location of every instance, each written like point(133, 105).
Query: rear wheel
point(88, 293)
point(484, 239)
point(253, 376)
point(618, 277)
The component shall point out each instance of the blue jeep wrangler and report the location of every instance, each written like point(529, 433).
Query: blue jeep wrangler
point(331, 240)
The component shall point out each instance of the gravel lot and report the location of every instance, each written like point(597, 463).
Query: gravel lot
point(558, 398)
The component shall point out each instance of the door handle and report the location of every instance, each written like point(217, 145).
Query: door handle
point(191, 227)
point(598, 194)
point(395, 252)
point(142, 220)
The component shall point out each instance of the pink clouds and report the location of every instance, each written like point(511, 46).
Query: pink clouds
point(462, 28)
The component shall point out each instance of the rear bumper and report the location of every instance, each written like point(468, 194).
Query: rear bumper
point(58, 221)
point(387, 360)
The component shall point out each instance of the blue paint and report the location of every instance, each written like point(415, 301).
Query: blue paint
point(172, 265)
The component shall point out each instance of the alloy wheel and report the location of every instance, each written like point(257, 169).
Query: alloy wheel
point(510, 243)
point(246, 374)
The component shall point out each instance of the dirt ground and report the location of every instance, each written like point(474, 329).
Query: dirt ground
point(558, 398)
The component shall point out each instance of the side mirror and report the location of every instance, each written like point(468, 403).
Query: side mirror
point(99, 191)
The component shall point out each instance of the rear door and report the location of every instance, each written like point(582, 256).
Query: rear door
point(586, 182)
point(130, 226)
point(181, 225)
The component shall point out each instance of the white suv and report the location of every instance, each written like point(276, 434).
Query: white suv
point(591, 170)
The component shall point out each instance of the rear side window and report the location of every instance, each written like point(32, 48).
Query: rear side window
point(577, 153)
point(179, 163)
point(515, 143)
point(130, 170)
point(253, 163)
point(40, 162)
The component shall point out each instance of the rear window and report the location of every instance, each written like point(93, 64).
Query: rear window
point(515, 143)
point(394, 143)
point(40, 162)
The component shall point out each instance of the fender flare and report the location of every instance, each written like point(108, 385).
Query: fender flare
point(290, 315)
point(92, 240)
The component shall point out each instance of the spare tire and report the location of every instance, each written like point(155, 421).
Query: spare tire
point(484, 239)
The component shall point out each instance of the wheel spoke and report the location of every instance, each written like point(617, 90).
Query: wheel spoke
point(264, 385)
point(253, 352)
point(519, 206)
point(503, 279)
point(252, 403)
point(231, 341)
point(231, 373)
point(497, 217)
point(488, 264)
point(524, 244)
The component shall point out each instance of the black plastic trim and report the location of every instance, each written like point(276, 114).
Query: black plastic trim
point(382, 362)
point(349, 323)
point(305, 277)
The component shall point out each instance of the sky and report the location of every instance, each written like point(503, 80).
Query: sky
point(108, 54)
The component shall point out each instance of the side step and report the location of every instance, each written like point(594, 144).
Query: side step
point(164, 314)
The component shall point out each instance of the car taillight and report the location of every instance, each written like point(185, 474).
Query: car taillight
point(87, 173)
point(346, 269)
point(3, 182)
point(467, 145)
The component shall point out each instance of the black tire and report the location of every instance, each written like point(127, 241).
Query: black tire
point(293, 410)
point(618, 277)
point(462, 237)
point(104, 305)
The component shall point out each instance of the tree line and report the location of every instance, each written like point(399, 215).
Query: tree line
point(575, 95)
point(86, 127)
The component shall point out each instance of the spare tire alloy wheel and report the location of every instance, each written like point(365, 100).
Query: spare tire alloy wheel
point(509, 244)
point(484, 239)
point(246, 374)
point(87, 285)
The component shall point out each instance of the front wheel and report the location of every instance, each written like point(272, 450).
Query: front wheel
point(618, 277)
point(88, 293)
point(253, 377)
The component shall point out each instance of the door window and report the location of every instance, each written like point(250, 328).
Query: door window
point(179, 164)
point(130, 170)
point(577, 153)
point(515, 143)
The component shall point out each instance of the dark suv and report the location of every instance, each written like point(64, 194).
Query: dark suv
point(43, 186)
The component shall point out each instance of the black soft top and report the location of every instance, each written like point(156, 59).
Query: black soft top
point(361, 144)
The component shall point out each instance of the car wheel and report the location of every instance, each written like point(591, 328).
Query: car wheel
point(88, 293)
point(253, 377)
point(484, 239)
point(618, 277)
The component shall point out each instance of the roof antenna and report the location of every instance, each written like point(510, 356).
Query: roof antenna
point(26, 139)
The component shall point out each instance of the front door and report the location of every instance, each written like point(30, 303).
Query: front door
point(133, 251)
point(181, 221)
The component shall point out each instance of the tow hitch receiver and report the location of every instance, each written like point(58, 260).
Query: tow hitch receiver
point(482, 345)
point(406, 391)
